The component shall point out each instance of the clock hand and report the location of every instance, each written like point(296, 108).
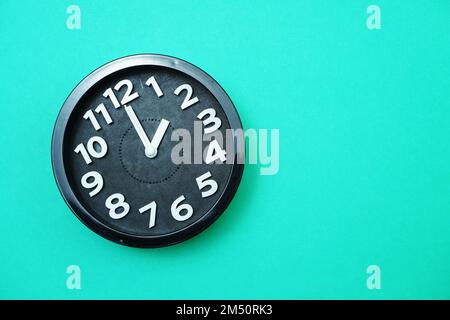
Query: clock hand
point(159, 134)
point(150, 151)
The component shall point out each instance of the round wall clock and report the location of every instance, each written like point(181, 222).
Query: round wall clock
point(140, 154)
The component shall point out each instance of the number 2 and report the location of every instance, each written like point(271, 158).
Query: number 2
point(188, 100)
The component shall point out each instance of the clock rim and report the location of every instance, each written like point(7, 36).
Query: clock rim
point(59, 132)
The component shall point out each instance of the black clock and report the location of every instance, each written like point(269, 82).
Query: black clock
point(145, 150)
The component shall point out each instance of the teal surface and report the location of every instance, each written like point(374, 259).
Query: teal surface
point(364, 172)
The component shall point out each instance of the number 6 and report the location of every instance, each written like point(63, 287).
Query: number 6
point(175, 209)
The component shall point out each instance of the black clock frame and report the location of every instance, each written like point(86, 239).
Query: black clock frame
point(59, 132)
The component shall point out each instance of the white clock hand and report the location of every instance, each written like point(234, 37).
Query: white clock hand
point(159, 134)
point(150, 151)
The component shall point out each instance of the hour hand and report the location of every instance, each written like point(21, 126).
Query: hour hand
point(150, 151)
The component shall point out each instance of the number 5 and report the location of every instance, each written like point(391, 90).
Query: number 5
point(203, 182)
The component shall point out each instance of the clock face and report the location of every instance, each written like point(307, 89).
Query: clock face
point(140, 152)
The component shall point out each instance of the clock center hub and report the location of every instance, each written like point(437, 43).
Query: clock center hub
point(136, 161)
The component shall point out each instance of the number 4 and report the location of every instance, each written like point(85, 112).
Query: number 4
point(215, 152)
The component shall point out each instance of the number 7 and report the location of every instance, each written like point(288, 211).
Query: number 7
point(152, 207)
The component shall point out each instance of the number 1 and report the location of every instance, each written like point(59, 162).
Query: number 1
point(151, 82)
point(89, 115)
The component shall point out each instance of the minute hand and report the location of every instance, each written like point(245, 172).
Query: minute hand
point(149, 149)
point(159, 134)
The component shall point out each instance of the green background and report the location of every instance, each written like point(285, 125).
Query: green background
point(364, 149)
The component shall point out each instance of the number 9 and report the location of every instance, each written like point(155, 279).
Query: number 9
point(96, 184)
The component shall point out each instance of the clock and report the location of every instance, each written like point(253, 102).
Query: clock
point(146, 150)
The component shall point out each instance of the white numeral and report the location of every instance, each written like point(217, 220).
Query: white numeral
point(215, 152)
point(101, 109)
point(110, 94)
point(188, 100)
point(89, 115)
point(175, 209)
point(118, 203)
point(152, 207)
point(210, 119)
point(96, 183)
point(203, 182)
point(127, 97)
point(151, 82)
point(103, 149)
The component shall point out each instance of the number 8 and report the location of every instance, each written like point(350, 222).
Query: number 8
point(120, 203)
